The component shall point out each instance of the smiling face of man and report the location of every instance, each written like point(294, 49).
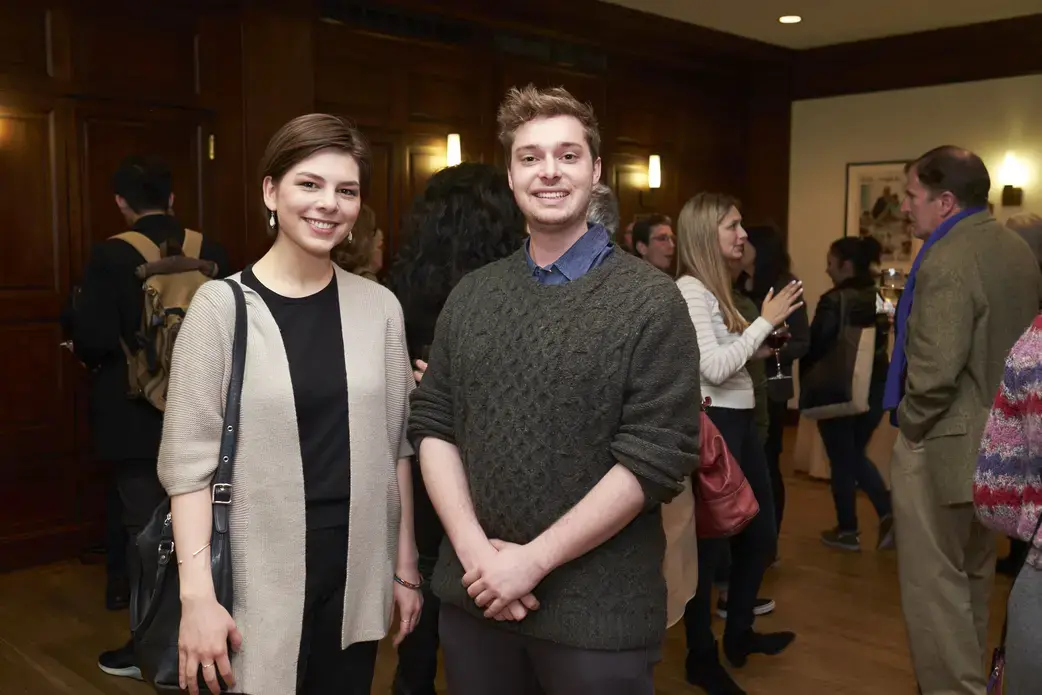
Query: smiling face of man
point(552, 172)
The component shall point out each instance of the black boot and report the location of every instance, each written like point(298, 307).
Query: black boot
point(705, 671)
point(738, 648)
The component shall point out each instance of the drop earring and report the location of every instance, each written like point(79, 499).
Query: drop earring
point(350, 236)
point(271, 219)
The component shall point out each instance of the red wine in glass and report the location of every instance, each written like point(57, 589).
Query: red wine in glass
point(776, 340)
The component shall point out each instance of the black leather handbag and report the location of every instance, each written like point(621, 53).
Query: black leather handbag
point(155, 601)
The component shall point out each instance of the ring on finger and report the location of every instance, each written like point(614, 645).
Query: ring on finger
point(209, 665)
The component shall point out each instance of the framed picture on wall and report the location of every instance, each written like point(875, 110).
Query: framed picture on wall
point(873, 208)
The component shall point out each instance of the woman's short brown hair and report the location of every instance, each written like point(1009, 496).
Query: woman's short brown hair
point(523, 105)
point(356, 256)
point(306, 135)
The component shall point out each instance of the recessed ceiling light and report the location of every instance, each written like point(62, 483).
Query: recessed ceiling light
point(790, 19)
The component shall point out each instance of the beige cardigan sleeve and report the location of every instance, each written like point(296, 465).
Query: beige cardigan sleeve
point(199, 373)
point(400, 382)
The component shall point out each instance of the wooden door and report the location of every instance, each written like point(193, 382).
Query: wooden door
point(56, 163)
point(38, 436)
point(108, 132)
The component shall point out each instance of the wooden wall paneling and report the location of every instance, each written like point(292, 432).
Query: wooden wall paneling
point(278, 60)
point(145, 54)
point(39, 505)
point(643, 109)
point(221, 92)
point(449, 86)
point(765, 196)
point(713, 140)
point(34, 46)
point(361, 74)
point(626, 31)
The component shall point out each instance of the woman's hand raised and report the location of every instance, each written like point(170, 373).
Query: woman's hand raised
point(778, 307)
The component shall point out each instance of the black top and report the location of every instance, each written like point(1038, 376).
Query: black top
point(311, 333)
point(105, 307)
point(544, 388)
point(850, 303)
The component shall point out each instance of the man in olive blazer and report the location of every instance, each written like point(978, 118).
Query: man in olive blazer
point(974, 288)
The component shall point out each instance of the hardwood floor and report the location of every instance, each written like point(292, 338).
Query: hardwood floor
point(844, 607)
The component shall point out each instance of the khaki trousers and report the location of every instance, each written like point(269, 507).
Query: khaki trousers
point(946, 565)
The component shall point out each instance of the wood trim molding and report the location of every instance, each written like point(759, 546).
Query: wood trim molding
point(985, 51)
point(626, 31)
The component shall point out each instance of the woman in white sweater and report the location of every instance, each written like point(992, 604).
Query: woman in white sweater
point(710, 235)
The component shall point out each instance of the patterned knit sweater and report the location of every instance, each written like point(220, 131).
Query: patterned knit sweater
point(1007, 487)
point(544, 389)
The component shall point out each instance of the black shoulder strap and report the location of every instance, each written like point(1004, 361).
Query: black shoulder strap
point(221, 494)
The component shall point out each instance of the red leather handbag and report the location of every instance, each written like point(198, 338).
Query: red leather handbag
point(724, 502)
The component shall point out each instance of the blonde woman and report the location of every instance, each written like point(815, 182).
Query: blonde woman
point(710, 237)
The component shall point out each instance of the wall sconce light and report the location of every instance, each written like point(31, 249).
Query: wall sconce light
point(654, 171)
point(453, 150)
point(1013, 175)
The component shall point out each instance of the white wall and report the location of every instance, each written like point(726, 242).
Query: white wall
point(991, 118)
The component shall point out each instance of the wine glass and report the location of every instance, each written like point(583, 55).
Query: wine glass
point(776, 340)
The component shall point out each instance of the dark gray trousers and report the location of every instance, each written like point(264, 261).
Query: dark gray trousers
point(482, 658)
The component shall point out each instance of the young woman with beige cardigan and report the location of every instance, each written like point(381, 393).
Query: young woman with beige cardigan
point(321, 522)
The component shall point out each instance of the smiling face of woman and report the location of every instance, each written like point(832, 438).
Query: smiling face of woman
point(317, 201)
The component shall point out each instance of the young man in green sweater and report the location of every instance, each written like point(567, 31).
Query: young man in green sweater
point(558, 412)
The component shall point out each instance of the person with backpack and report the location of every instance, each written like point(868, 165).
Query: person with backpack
point(105, 324)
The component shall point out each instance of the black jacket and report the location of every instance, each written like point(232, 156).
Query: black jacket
point(851, 303)
point(108, 306)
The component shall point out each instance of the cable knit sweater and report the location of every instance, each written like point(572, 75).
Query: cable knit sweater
point(544, 388)
point(267, 523)
point(1007, 488)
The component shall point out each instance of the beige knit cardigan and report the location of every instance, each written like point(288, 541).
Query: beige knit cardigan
point(267, 510)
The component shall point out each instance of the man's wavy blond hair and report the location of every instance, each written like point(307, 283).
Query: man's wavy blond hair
point(529, 103)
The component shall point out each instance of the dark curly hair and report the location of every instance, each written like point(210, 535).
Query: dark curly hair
point(466, 218)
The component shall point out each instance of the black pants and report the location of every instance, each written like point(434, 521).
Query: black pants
point(778, 412)
point(139, 491)
point(482, 658)
point(115, 535)
point(846, 440)
point(752, 550)
point(322, 666)
point(418, 653)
